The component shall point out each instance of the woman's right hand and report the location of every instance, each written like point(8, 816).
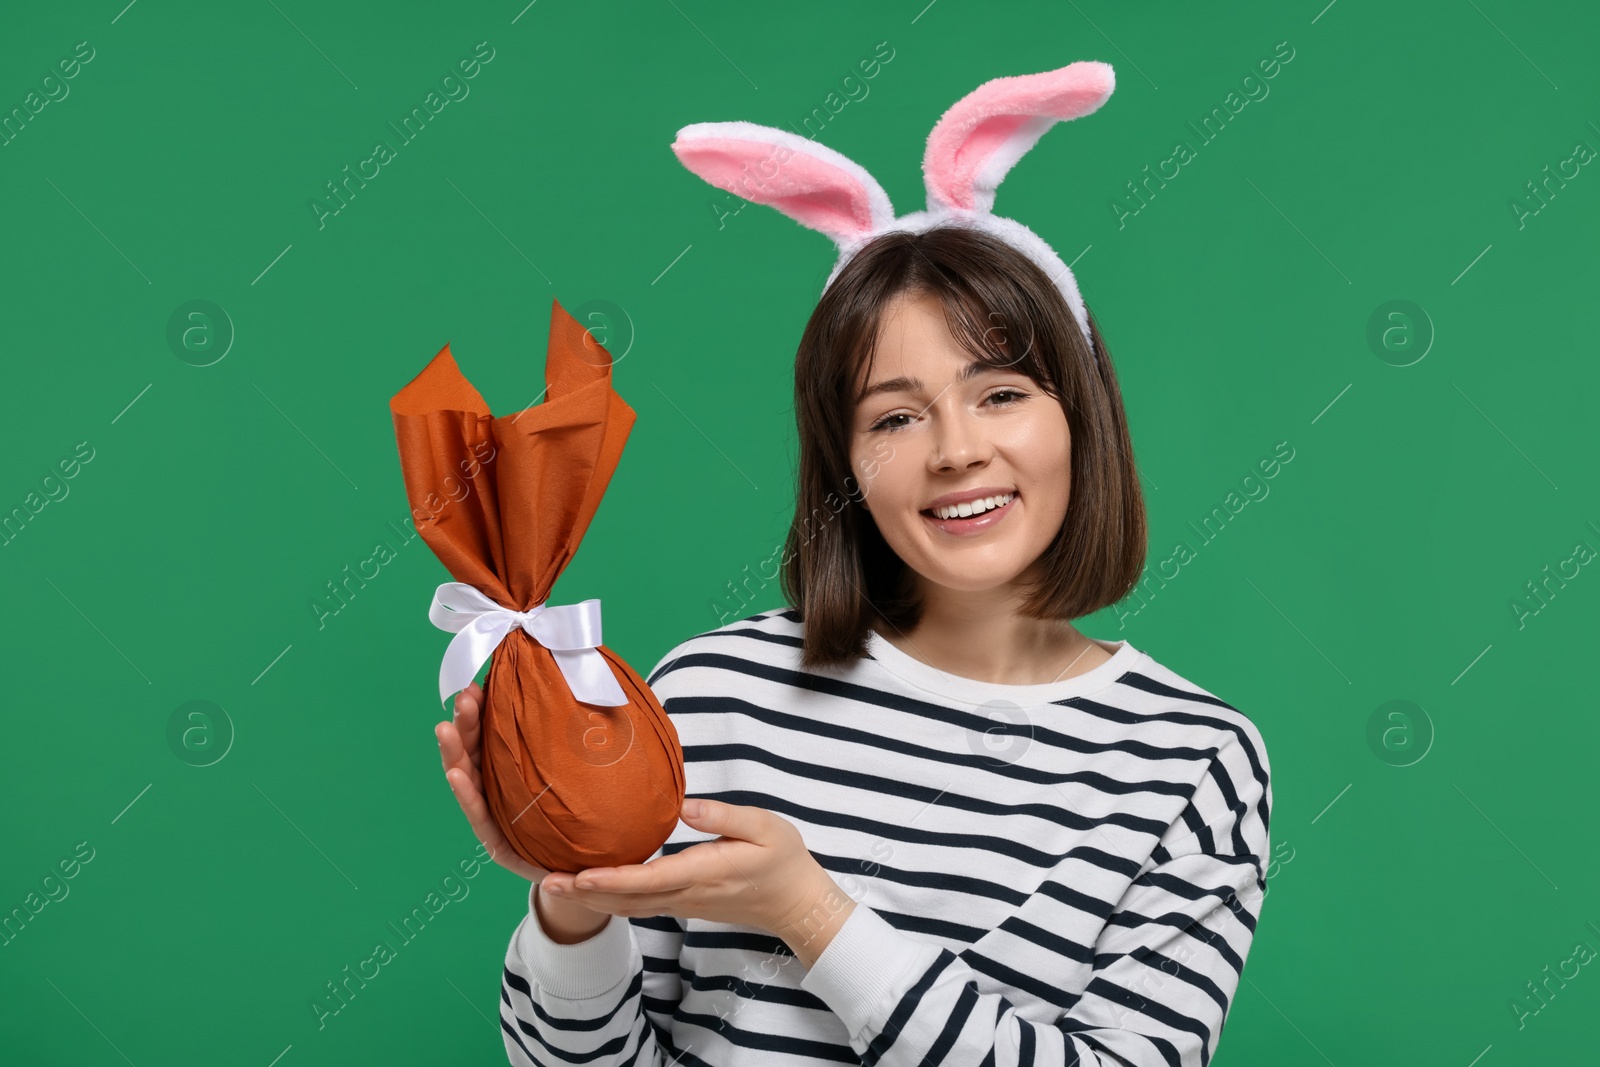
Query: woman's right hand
point(461, 750)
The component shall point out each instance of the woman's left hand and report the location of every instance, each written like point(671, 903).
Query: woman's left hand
point(757, 873)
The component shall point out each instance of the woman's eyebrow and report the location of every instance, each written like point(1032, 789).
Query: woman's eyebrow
point(912, 385)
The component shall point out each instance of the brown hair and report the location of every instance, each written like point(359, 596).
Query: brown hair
point(1003, 309)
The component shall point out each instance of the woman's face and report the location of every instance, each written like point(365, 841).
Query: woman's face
point(945, 425)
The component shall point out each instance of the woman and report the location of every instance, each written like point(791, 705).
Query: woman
point(937, 824)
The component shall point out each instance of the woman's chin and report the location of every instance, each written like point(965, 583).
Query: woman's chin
point(972, 571)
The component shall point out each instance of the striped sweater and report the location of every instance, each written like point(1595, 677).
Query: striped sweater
point(1067, 873)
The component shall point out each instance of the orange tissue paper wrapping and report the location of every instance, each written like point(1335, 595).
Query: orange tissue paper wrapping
point(581, 766)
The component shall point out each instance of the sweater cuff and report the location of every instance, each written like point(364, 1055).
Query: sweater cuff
point(579, 971)
point(866, 969)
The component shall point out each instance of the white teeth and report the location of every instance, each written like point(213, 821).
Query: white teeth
point(973, 507)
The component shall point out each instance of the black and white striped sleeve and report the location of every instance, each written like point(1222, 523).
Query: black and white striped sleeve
point(1165, 964)
point(602, 1002)
point(660, 941)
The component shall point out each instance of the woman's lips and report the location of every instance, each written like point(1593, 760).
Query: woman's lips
point(974, 524)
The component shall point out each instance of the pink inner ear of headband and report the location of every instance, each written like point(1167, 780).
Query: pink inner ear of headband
point(951, 171)
point(976, 142)
point(812, 191)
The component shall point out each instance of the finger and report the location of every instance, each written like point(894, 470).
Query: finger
point(664, 874)
point(452, 753)
point(698, 864)
point(469, 718)
point(449, 743)
point(554, 878)
point(451, 750)
point(465, 697)
point(500, 852)
point(477, 812)
point(625, 904)
point(487, 830)
point(462, 777)
point(740, 821)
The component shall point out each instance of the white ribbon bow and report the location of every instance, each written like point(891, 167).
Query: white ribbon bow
point(570, 631)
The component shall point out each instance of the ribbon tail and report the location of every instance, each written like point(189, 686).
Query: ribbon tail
point(589, 676)
point(469, 649)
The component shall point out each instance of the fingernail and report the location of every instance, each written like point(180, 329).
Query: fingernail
point(554, 890)
point(691, 808)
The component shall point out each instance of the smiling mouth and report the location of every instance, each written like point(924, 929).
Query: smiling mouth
point(971, 523)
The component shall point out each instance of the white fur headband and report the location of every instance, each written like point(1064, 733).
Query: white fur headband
point(969, 152)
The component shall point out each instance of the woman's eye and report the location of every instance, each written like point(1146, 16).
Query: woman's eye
point(1018, 395)
point(886, 423)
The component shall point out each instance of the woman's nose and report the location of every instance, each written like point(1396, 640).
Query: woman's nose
point(958, 440)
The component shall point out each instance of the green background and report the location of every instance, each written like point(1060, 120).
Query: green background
point(1410, 904)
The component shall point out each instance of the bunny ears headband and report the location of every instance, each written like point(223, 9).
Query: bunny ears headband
point(970, 150)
